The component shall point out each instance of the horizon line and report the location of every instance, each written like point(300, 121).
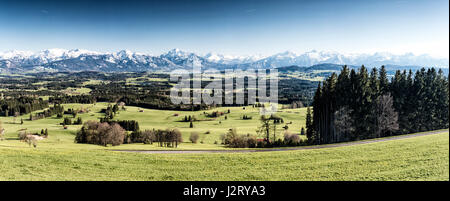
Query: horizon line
point(261, 56)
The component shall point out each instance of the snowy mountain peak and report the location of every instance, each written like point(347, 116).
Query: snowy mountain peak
point(230, 59)
point(213, 57)
point(124, 54)
point(15, 54)
point(126, 60)
point(176, 53)
point(286, 54)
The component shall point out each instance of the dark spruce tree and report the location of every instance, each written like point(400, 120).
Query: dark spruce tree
point(355, 105)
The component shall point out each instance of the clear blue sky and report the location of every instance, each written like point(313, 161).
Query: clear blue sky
point(229, 27)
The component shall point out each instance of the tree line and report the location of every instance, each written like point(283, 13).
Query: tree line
point(128, 125)
point(357, 105)
point(83, 99)
point(165, 138)
point(112, 133)
point(21, 105)
point(56, 109)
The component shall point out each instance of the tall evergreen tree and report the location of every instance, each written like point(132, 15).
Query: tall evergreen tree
point(374, 83)
point(309, 125)
point(317, 116)
point(418, 112)
point(384, 82)
point(364, 107)
point(342, 87)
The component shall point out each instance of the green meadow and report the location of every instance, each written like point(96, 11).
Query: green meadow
point(418, 158)
point(59, 158)
point(210, 129)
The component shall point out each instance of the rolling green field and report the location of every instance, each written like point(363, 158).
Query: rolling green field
point(155, 119)
point(418, 158)
point(59, 158)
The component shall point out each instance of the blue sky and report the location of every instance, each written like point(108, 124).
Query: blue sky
point(230, 27)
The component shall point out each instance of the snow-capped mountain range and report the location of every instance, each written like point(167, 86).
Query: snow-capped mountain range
point(229, 59)
point(125, 60)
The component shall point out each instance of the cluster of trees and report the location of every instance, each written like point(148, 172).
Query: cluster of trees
point(168, 137)
point(94, 132)
point(235, 140)
point(357, 105)
point(146, 137)
point(165, 138)
point(57, 109)
point(21, 105)
point(114, 133)
point(68, 121)
point(289, 140)
point(110, 111)
point(269, 126)
point(72, 112)
point(188, 118)
point(128, 125)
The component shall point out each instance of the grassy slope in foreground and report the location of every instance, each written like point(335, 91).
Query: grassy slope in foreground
point(418, 158)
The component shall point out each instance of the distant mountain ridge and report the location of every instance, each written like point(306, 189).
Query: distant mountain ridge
point(84, 60)
point(328, 67)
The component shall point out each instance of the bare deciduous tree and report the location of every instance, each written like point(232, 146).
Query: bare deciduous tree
point(177, 137)
point(194, 137)
point(101, 133)
point(115, 135)
point(386, 116)
point(148, 137)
